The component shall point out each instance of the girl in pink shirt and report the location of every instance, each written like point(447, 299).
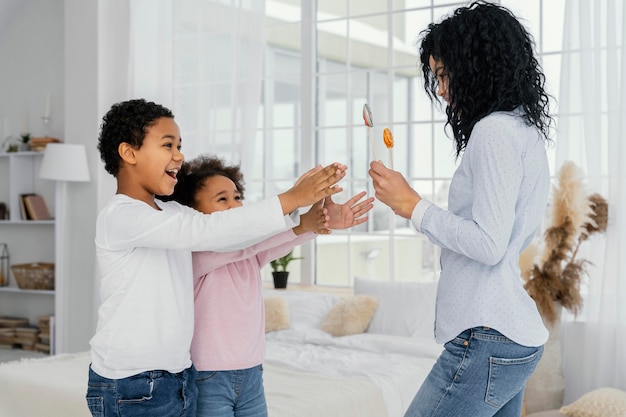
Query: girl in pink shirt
point(228, 345)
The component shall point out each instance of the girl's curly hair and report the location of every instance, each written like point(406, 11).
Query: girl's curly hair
point(127, 121)
point(193, 174)
point(488, 58)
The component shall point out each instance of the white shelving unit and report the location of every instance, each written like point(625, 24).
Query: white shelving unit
point(27, 240)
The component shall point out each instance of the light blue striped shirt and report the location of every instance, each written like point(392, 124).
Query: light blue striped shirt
point(497, 199)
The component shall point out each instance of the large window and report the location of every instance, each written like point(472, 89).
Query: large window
point(352, 52)
point(321, 62)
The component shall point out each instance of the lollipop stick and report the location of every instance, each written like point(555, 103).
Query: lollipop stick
point(369, 129)
point(391, 158)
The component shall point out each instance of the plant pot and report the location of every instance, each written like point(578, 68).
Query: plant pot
point(280, 278)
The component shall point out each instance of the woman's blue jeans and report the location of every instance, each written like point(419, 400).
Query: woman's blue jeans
point(236, 393)
point(151, 393)
point(480, 373)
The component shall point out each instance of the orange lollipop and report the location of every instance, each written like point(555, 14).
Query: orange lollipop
point(388, 138)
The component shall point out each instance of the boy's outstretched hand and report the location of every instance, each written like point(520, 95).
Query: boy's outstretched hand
point(349, 214)
point(313, 186)
point(315, 220)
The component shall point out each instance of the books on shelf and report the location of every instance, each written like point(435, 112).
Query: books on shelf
point(8, 330)
point(34, 207)
point(17, 332)
point(39, 144)
point(43, 342)
point(27, 337)
point(13, 322)
point(7, 337)
point(23, 212)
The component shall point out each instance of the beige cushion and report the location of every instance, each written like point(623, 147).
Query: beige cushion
point(351, 315)
point(276, 314)
point(602, 402)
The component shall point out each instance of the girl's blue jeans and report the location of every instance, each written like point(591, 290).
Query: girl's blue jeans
point(480, 373)
point(236, 393)
point(151, 393)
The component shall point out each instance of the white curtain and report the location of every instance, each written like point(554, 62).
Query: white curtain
point(591, 132)
point(203, 59)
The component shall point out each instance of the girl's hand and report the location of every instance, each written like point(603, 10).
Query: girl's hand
point(349, 214)
point(315, 220)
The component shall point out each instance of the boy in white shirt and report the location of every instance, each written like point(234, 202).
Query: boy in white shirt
point(140, 353)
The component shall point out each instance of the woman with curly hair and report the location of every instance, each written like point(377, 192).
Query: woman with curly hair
point(480, 61)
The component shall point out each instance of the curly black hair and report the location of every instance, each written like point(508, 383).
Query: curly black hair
point(193, 174)
point(127, 121)
point(488, 58)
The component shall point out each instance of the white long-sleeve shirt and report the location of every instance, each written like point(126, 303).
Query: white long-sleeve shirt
point(230, 314)
point(497, 199)
point(146, 315)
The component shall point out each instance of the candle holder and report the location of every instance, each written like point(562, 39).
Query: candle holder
point(46, 121)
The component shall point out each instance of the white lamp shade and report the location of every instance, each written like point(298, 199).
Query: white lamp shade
point(64, 162)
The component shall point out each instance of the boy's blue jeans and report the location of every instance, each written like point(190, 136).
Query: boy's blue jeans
point(236, 393)
point(480, 373)
point(152, 393)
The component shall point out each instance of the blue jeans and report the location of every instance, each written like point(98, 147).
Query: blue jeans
point(480, 373)
point(237, 393)
point(152, 393)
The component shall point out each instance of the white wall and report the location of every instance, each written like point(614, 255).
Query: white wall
point(82, 117)
point(31, 65)
point(52, 46)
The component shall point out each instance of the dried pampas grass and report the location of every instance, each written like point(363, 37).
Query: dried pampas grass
point(575, 216)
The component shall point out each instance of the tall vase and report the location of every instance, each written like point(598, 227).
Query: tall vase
point(546, 386)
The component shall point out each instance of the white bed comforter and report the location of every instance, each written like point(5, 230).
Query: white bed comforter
point(396, 365)
point(307, 374)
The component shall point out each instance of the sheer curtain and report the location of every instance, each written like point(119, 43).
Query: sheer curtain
point(591, 128)
point(203, 59)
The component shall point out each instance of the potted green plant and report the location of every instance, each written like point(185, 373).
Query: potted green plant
point(25, 138)
point(279, 269)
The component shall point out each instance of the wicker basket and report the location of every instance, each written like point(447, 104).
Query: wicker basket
point(34, 276)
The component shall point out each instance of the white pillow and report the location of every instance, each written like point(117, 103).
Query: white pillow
point(404, 309)
point(306, 309)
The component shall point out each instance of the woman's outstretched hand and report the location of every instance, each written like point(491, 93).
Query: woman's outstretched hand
point(393, 190)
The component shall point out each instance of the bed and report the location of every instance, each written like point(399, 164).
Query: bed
point(326, 355)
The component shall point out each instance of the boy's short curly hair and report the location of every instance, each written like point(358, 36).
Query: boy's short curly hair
point(193, 173)
point(127, 121)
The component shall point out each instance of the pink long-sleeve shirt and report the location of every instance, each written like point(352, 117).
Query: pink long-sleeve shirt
point(229, 331)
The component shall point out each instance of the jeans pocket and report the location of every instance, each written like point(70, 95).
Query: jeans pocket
point(507, 377)
point(138, 388)
point(96, 406)
point(205, 376)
